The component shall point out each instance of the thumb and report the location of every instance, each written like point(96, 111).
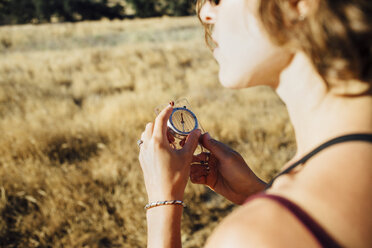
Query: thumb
point(191, 142)
point(220, 150)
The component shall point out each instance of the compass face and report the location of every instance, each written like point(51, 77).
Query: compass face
point(183, 121)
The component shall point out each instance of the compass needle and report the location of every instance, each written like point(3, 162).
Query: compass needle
point(181, 123)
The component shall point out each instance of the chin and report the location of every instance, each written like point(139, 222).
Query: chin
point(235, 81)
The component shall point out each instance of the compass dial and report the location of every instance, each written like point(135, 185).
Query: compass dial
point(183, 121)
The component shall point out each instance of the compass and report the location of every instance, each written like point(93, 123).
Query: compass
point(182, 121)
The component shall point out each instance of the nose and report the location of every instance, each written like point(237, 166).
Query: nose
point(208, 13)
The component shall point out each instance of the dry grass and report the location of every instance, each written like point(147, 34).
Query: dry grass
point(74, 98)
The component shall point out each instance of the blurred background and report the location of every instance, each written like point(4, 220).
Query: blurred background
point(79, 80)
point(42, 11)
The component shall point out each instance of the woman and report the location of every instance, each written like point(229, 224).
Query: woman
point(317, 55)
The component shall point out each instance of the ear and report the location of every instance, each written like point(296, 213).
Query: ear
point(304, 8)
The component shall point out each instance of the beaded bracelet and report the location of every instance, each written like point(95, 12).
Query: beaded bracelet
point(162, 203)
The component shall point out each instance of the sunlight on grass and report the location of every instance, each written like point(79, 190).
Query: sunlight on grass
point(74, 100)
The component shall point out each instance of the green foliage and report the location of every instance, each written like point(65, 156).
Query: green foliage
point(25, 11)
point(145, 8)
point(181, 8)
point(39, 11)
point(153, 8)
point(16, 12)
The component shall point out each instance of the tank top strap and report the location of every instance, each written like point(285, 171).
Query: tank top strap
point(322, 237)
point(345, 138)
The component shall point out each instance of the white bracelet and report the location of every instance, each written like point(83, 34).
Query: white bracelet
point(163, 203)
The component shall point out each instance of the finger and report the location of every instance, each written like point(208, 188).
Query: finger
point(191, 142)
point(182, 142)
point(170, 137)
point(198, 180)
point(146, 135)
point(198, 174)
point(160, 126)
point(219, 149)
point(199, 169)
point(198, 177)
point(201, 157)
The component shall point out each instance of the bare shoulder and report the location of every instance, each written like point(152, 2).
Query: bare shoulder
point(333, 187)
point(261, 223)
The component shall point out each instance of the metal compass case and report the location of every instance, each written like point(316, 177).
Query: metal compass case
point(181, 123)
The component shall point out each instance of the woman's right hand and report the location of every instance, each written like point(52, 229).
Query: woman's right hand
point(225, 172)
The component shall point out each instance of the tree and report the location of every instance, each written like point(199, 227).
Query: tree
point(25, 11)
point(20, 11)
point(180, 8)
point(145, 8)
point(153, 8)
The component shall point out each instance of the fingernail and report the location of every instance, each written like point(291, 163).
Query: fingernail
point(196, 132)
point(171, 103)
point(208, 136)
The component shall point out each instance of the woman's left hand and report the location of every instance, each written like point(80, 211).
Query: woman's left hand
point(165, 169)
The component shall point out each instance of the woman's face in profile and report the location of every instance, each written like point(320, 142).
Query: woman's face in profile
point(244, 52)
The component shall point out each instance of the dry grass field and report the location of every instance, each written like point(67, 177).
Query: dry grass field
point(74, 98)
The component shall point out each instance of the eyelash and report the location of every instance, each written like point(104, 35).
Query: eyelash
point(215, 2)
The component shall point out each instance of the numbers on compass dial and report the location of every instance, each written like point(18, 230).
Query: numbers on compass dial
point(183, 121)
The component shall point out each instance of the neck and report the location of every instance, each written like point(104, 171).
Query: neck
point(318, 115)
